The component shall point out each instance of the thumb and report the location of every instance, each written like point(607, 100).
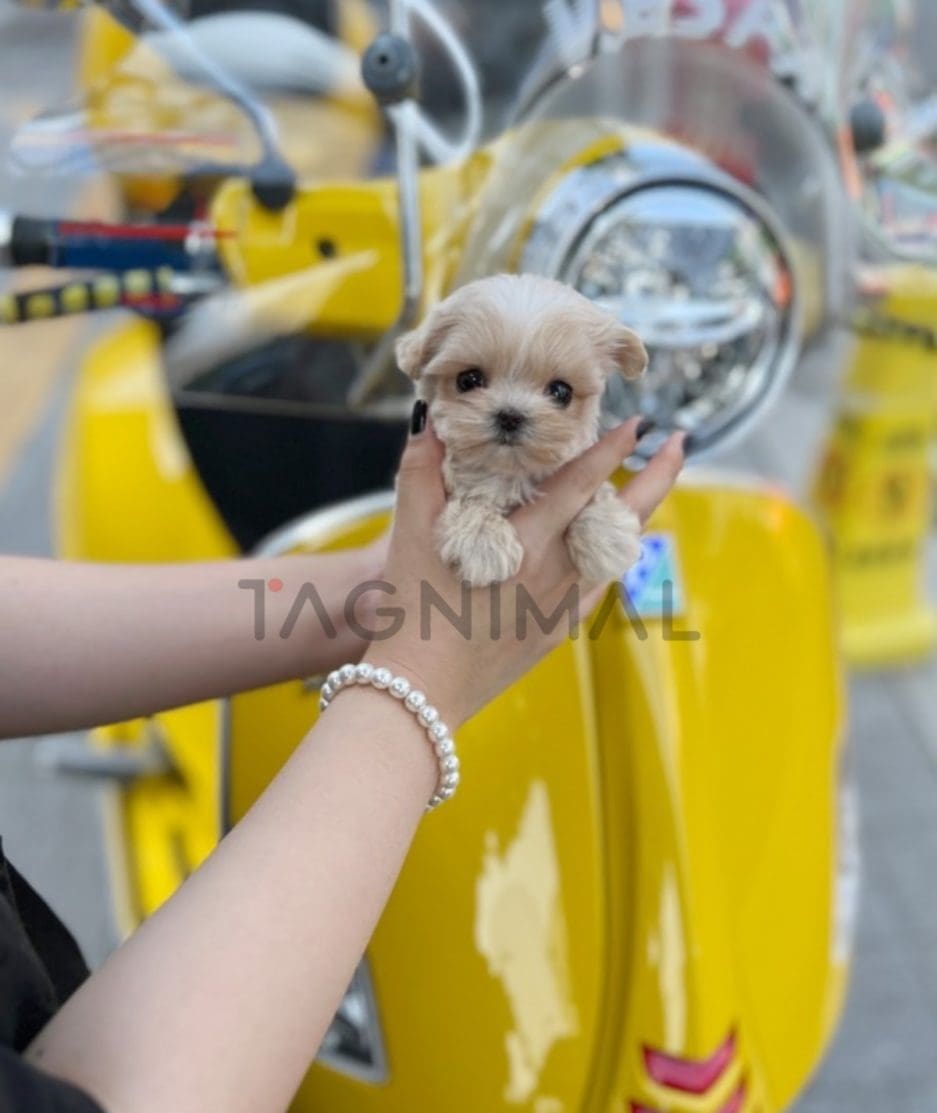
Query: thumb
point(421, 495)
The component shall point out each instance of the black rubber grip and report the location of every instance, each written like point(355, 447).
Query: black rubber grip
point(32, 242)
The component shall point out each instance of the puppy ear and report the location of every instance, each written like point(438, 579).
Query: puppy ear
point(409, 352)
point(416, 349)
point(628, 353)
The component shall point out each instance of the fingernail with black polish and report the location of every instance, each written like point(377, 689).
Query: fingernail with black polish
point(418, 420)
point(689, 444)
point(645, 425)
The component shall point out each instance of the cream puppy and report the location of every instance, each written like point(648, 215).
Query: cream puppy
point(513, 369)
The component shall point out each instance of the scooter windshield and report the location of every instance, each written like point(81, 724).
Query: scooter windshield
point(683, 164)
point(538, 130)
point(754, 86)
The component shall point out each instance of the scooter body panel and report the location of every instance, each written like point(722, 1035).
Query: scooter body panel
point(126, 487)
point(643, 859)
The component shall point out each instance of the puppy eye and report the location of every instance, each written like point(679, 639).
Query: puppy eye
point(470, 380)
point(560, 392)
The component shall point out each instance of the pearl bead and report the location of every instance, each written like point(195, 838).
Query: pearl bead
point(415, 700)
point(399, 688)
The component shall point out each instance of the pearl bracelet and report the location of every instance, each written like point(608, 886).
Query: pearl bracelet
point(417, 704)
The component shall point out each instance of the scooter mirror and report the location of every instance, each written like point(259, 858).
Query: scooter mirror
point(266, 51)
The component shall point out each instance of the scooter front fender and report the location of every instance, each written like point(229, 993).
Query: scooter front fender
point(632, 900)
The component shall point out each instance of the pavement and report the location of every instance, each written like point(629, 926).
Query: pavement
point(884, 1059)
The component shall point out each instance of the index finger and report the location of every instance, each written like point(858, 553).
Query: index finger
point(646, 491)
point(573, 486)
point(421, 495)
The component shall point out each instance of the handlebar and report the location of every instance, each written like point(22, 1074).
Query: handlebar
point(142, 289)
point(95, 245)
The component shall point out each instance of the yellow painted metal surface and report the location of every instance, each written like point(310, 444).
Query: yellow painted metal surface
point(167, 825)
point(127, 491)
point(103, 43)
point(345, 221)
point(643, 853)
point(357, 221)
point(126, 487)
point(720, 761)
point(875, 485)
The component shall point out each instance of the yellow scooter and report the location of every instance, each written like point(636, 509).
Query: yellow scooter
point(875, 485)
point(644, 902)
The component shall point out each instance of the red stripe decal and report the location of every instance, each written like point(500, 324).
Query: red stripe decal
point(692, 1076)
point(736, 1101)
point(166, 232)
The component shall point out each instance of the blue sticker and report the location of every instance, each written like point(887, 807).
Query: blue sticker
point(654, 584)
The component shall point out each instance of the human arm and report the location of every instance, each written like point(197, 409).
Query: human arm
point(85, 644)
point(221, 998)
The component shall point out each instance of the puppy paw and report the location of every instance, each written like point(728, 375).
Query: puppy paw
point(604, 541)
point(479, 542)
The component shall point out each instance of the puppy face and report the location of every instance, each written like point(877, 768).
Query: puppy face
point(513, 369)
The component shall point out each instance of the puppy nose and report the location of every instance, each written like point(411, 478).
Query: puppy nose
point(509, 421)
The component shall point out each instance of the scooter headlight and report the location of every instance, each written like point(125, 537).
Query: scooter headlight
point(695, 265)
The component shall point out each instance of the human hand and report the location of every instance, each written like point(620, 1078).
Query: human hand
point(462, 646)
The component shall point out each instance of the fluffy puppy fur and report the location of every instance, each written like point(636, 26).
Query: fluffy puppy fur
point(513, 369)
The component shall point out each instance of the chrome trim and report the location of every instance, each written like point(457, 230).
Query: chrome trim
point(6, 238)
point(438, 147)
point(584, 194)
point(313, 527)
point(75, 757)
point(405, 121)
point(379, 1073)
point(552, 70)
point(581, 198)
point(125, 915)
point(408, 180)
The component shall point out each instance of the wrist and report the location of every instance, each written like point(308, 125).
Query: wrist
point(383, 681)
point(428, 675)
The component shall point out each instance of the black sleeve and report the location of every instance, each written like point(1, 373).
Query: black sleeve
point(26, 1089)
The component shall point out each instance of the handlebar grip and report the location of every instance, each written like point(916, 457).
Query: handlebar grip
point(91, 245)
point(32, 242)
point(105, 292)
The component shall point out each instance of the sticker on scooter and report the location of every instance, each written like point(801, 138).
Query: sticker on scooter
point(654, 584)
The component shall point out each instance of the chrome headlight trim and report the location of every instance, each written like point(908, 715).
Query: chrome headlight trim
point(592, 197)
